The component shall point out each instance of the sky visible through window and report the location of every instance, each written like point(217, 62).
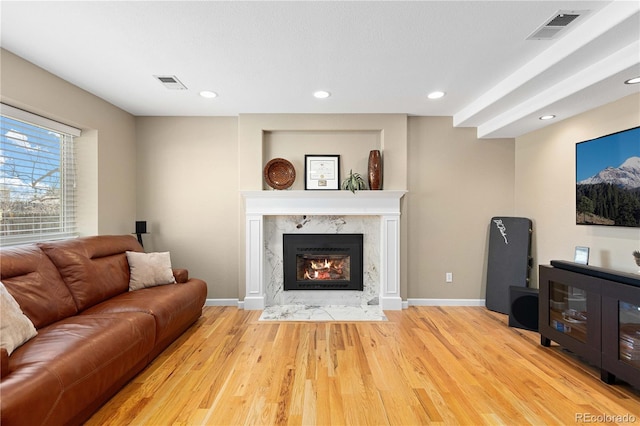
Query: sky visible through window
point(29, 172)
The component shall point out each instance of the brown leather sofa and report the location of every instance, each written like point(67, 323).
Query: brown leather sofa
point(94, 335)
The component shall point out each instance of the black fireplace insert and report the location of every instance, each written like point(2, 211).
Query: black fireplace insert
point(323, 262)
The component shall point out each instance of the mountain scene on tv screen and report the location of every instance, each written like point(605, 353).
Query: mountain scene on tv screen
point(611, 197)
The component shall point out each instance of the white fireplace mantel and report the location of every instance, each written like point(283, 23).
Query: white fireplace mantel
point(385, 204)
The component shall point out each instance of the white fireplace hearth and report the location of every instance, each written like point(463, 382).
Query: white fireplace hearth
point(375, 214)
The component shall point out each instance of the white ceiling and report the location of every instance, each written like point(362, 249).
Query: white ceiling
point(374, 57)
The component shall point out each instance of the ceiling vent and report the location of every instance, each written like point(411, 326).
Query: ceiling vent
point(557, 24)
point(171, 82)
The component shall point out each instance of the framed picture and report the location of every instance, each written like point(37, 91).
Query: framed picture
point(321, 172)
point(605, 192)
point(582, 255)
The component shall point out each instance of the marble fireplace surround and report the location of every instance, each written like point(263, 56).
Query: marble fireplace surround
point(385, 205)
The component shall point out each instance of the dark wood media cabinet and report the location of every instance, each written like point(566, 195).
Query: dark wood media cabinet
point(595, 313)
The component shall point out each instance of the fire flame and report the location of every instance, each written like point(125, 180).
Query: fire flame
point(321, 265)
point(321, 270)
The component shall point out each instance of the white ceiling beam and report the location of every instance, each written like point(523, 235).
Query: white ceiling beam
point(601, 70)
point(592, 28)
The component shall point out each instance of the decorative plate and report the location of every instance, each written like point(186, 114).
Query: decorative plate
point(279, 173)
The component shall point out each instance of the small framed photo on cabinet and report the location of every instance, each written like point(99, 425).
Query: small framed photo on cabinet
point(581, 255)
point(321, 172)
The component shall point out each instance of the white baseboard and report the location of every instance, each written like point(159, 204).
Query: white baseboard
point(405, 303)
point(445, 302)
point(222, 302)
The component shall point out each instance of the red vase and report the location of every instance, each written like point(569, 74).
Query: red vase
point(375, 170)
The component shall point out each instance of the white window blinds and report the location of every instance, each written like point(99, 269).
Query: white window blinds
point(37, 178)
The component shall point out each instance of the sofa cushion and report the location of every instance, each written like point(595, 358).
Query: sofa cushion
point(74, 363)
point(149, 270)
point(15, 328)
point(94, 268)
point(35, 283)
point(174, 307)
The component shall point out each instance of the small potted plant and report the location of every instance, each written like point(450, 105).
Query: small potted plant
point(354, 182)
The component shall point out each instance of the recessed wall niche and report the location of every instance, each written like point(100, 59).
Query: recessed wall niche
point(353, 146)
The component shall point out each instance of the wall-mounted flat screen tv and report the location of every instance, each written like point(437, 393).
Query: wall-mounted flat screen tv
point(608, 180)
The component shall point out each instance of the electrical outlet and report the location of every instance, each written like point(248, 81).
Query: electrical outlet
point(449, 277)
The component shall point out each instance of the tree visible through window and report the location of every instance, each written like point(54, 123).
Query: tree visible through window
point(37, 183)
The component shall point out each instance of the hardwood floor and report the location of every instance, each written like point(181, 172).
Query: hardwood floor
point(426, 365)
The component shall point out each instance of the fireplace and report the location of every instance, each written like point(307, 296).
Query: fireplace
point(322, 262)
point(270, 214)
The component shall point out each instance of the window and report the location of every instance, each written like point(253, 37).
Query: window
point(37, 178)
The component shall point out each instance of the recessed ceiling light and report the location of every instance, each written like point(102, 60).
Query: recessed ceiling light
point(435, 95)
point(634, 80)
point(208, 94)
point(322, 94)
point(547, 117)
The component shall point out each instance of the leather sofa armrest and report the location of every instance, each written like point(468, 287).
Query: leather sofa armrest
point(4, 365)
point(181, 275)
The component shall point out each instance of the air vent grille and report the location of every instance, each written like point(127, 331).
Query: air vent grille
point(171, 82)
point(562, 20)
point(556, 24)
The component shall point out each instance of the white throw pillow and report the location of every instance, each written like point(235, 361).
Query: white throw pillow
point(149, 269)
point(15, 327)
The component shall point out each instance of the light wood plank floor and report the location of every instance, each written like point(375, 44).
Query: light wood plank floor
point(426, 365)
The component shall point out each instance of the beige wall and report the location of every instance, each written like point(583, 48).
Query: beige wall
point(457, 183)
point(106, 149)
point(187, 189)
point(545, 188)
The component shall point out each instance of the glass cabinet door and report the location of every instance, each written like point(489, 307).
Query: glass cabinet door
point(568, 310)
point(629, 333)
